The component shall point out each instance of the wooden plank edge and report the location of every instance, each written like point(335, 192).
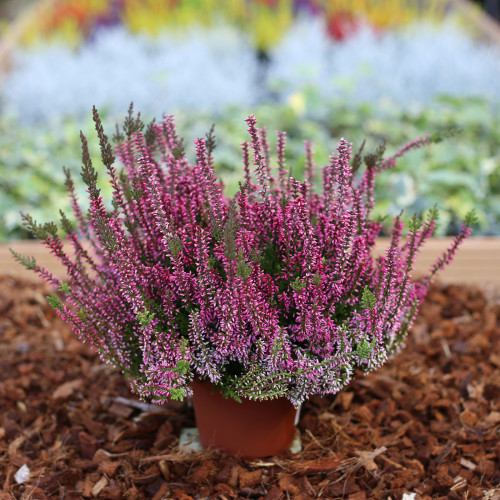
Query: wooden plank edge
point(477, 261)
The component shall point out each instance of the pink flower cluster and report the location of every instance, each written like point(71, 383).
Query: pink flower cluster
point(274, 292)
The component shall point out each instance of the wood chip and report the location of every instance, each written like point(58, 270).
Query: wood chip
point(427, 422)
point(99, 486)
point(467, 464)
point(67, 389)
point(250, 479)
point(493, 418)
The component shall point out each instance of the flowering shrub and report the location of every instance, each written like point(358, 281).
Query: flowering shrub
point(272, 292)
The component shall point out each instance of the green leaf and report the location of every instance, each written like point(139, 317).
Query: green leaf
point(175, 245)
point(243, 270)
point(471, 218)
point(368, 300)
point(440, 136)
point(82, 314)
point(54, 302)
point(364, 349)
point(28, 262)
point(177, 394)
point(145, 318)
point(297, 285)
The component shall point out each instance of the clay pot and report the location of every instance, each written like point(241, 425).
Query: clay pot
point(251, 429)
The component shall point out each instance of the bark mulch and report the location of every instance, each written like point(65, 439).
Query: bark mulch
point(426, 425)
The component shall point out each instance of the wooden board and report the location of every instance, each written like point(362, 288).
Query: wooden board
point(477, 262)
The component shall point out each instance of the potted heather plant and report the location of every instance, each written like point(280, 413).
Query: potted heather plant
point(253, 303)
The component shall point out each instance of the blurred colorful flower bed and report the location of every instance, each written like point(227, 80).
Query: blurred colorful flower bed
point(386, 69)
point(266, 21)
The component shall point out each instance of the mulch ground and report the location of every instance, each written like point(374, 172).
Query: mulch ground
point(426, 425)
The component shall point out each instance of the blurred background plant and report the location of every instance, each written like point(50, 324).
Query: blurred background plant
point(318, 69)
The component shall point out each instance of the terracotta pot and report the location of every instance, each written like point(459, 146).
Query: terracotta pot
point(251, 429)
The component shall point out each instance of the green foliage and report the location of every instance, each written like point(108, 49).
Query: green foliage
point(471, 218)
point(297, 285)
point(132, 124)
point(440, 136)
point(210, 139)
point(229, 232)
point(145, 317)
point(54, 302)
point(180, 150)
point(364, 349)
point(368, 299)
point(243, 270)
point(175, 245)
point(28, 262)
point(83, 314)
point(372, 160)
point(415, 223)
point(316, 279)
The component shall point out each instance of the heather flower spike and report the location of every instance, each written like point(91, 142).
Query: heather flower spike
point(275, 292)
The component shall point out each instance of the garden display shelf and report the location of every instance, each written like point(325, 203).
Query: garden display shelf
point(477, 263)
